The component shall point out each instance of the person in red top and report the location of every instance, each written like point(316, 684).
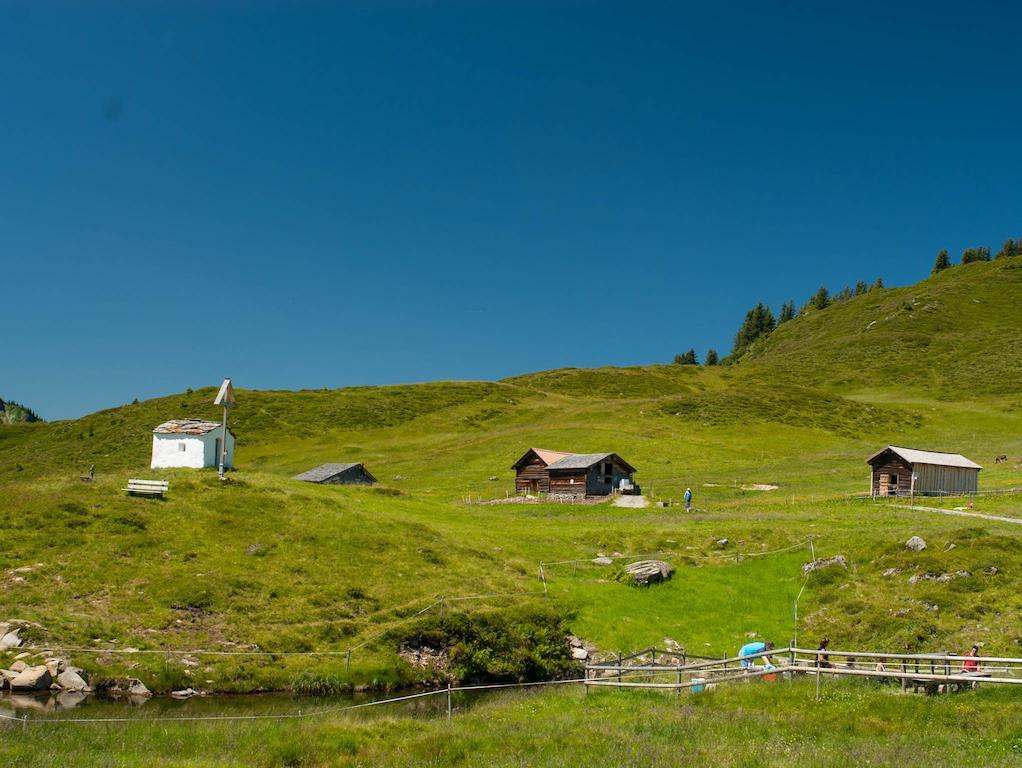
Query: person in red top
point(970, 665)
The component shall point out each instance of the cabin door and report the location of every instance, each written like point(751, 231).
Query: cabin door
point(885, 480)
point(216, 452)
point(534, 486)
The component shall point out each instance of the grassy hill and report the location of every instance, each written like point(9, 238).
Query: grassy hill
point(269, 563)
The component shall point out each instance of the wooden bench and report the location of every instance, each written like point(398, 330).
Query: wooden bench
point(147, 488)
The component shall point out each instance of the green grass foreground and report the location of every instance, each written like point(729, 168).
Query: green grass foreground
point(752, 724)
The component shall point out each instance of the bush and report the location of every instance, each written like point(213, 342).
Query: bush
point(516, 645)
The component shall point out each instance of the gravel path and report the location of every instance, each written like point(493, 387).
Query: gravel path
point(633, 502)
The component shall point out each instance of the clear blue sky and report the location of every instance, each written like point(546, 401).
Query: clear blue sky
point(308, 195)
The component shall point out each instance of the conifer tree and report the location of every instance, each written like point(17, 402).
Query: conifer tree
point(1010, 248)
point(942, 262)
point(787, 312)
point(969, 255)
point(711, 357)
point(878, 285)
point(821, 299)
point(861, 288)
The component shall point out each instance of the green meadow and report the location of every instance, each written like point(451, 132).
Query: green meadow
point(265, 563)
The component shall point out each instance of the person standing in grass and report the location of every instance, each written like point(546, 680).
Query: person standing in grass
point(688, 499)
point(751, 649)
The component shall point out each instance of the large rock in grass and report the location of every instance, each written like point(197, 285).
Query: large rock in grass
point(824, 562)
point(647, 572)
point(32, 679)
point(10, 640)
point(916, 544)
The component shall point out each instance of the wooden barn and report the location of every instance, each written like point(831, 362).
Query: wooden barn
point(570, 474)
point(906, 471)
point(338, 474)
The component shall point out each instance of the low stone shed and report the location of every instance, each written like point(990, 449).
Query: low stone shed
point(352, 473)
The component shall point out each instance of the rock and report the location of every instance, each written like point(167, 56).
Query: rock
point(55, 666)
point(649, 571)
point(399, 477)
point(891, 572)
point(824, 562)
point(916, 544)
point(722, 543)
point(579, 654)
point(602, 561)
point(494, 478)
point(6, 675)
point(956, 575)
point(992, 570)
point(424, 657)
point(574, 642)
point(19, 666)
point(124, 686)
point(617, 554)
point(32, 679)
point(750, 634)
point(72, 679)
point(950, 546)
point(661, 504)
point(186, 693)
point(10, 640)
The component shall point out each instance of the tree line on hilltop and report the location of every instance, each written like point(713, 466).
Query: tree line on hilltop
point(760, 322)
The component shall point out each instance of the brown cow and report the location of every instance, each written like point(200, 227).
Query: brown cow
point(1002, 459)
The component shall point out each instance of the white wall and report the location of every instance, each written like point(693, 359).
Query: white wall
point(199, 451)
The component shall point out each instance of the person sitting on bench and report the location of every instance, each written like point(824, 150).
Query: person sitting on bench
point(971, 664)
point(822, 657)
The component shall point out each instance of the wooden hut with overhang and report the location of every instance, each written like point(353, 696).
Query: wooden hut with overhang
point(338, 474)
point(531, 475)
point(899, 471)
point(571, 474)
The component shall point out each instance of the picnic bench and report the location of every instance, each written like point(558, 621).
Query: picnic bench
point(147, 487)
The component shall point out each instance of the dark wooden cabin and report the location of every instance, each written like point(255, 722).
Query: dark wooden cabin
point(898, 471)
point(531, 475)
point(338, 474)
point(570, 474)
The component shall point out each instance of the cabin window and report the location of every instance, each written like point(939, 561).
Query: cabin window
point(894, 479)
point(181, 447)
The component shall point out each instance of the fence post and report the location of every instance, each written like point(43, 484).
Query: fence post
point(619, 662)
point(441, 608)
point(347, 661)
point(904, 670)
point(448, 701)
point(652, 656)
point(587, 679)
point(817, 682)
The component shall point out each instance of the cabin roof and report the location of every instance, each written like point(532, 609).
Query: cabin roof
point(547, 456)
point(915, 456)
point(586, 460)
point(187, 427)
point(326, 471)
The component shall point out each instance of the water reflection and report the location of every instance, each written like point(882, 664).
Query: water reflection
point(66, 704)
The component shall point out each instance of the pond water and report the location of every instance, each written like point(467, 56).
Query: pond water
point(71, 706)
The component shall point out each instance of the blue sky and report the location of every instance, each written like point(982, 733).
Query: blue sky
point(308, 195)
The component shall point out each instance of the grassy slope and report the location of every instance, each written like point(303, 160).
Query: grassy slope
point(749, 725)
point(267, 561)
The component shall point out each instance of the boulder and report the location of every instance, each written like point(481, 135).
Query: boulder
point(722, 543)
point(55, 666)
point(916, 544)
point(891, 572)
point(579, 654)
point(649, 571)
point(6, 675)
point(124, 686)
point(19, 666)
point(602, 561)
point(185, 693)
point(824, 562)
point(32, 679)
point(10, 640)
point(72, 679)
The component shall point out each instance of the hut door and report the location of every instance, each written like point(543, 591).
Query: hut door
point(534, 486)
point(885, 480)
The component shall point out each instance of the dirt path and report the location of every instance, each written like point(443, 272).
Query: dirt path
point(961, 513)
point(632, 502)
